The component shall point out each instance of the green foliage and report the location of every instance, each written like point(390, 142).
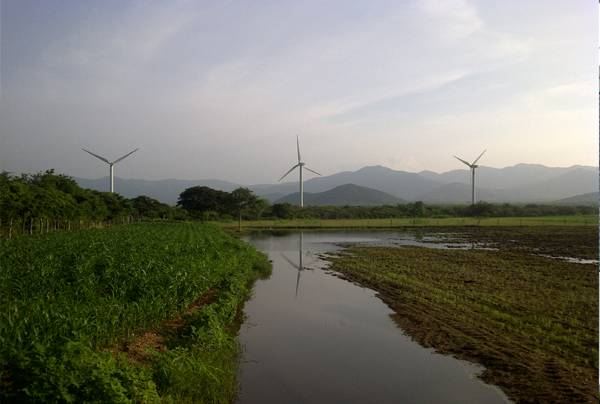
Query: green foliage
point(422, 210)
point(66, 297)
point(203, 366)
point(144, 206)
point(76, 373)
point(197, 200)
point(282, 210)
point(34, 203)
point(416, 209)
point(208, 204)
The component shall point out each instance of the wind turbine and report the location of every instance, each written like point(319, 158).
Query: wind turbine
point(301, 166)
point(111, 165)
point(472, 166)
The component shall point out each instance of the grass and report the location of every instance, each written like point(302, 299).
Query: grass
point(72, 306)
point(531, 321)
point(575, 220)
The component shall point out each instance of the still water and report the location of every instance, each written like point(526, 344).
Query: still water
point(310, 337)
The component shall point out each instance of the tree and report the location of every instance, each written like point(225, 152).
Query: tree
point(282, 210)
point(416, 209)
point(480, 209)
point(144, 206)
point(201, 199)
point(258, 209)
point(242, 199)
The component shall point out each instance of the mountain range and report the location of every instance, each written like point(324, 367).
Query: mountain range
point(519, 183)
point(589, 199)
point(347, 194)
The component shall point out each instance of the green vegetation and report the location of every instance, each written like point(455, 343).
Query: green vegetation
point(416, 210)
point(46, 201)
point(207, 203)
point(40, 203)
point(575, 220)
point(531, 321)
point(137, 313)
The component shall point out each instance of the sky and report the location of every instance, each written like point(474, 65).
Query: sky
point(221, 89)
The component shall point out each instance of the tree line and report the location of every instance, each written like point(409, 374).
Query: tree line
point(210, 204)
point(422, 210)
point(37, 203)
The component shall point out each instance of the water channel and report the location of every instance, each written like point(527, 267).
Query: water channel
point(311, 337)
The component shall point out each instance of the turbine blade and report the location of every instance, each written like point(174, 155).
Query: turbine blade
point(459, 159)
point(298, 146)
point(477, 159)
point(128, 154)
point(312, 171)
point(95, 155)
point(289, 261)
point(289, 171)
point(297, 284)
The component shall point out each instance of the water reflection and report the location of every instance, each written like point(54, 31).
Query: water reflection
point(332, 341)
point(299, 266)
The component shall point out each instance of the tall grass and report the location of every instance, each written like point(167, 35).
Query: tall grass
point(66, 297)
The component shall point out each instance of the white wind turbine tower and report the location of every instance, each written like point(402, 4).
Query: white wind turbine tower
point(301, 166)
point(472, 166)
point(111, 165)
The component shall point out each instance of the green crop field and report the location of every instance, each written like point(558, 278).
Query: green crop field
point(572, 220)
point(139, 313)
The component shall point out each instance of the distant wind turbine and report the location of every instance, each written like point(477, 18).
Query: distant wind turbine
point(472, 166)
point(301, 166)
point(111, 165)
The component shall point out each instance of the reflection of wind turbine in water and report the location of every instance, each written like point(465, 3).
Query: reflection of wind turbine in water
point(300, 265)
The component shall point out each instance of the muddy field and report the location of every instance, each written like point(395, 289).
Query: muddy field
point(531, 320)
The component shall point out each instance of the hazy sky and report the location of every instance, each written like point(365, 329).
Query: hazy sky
point(220, 89)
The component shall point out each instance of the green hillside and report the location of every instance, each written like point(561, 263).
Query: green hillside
point(348, 194)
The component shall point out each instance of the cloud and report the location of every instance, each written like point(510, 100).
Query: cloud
point(233, 79)
point(108, 58)
point(457, 18)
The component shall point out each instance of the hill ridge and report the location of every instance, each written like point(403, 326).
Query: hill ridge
point(346, 194)
point(522, 182)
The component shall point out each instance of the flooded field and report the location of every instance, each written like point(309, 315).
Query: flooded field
point(311, 337)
